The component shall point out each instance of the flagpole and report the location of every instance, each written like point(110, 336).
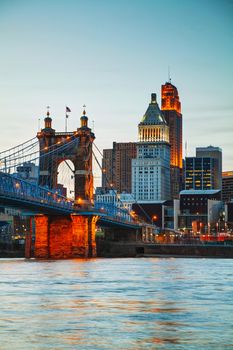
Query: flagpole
point(68, 110)
point(66, 123)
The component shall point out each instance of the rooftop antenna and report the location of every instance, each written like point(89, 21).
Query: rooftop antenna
point(169, 75)
point(186, 149)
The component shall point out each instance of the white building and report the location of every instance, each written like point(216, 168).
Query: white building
point(28, 171)
point(120, 200)
point(151, 168)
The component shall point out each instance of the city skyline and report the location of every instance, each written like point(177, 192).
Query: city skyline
point(74, 53)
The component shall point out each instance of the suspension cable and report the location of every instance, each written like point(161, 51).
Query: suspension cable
point(114, 190)
point(24, 143)
point(44, 155)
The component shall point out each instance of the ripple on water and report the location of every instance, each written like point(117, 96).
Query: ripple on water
point(116, 304)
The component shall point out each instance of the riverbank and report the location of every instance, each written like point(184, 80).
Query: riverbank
point(11, 250)
point(109, 249)
point(12, 254)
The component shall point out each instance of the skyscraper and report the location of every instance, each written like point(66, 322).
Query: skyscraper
point(117, 166)
point(151, 168)
point(227, 186)
point(199, 173)
point(107, 168)
point(216, 154)
point(171, 107)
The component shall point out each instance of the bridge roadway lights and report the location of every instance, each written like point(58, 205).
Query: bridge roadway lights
point(63, 237)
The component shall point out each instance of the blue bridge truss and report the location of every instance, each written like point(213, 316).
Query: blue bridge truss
point(30, 197)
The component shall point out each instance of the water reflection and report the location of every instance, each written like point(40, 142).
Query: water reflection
point(116, 304)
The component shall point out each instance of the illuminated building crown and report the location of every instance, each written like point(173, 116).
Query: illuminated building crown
point(153, 126)
point(170, 98)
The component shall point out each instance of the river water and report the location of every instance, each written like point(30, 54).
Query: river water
point(141, 303)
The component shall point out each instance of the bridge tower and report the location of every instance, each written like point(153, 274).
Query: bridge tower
point(80, 153)
point(74, 235)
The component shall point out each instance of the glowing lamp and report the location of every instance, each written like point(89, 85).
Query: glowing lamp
point(79, 200)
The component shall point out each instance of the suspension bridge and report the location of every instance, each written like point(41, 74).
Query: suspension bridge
point(64, 227)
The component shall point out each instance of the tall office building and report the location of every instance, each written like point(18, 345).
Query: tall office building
point(117, 166)
point(199, 173)
point(171, 108)
point(151, 168)
point(227, 186)
point(107, 168)
point(216, 154)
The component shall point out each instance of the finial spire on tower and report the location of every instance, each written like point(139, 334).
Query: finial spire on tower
point(169, 75)
point(84, 118)
point(48, 120)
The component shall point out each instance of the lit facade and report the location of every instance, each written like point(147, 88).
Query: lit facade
point(151, 168)
point(117, 166)
point(171, 108)
point(197, 211)
point(227, 186)
point(199, 173)
point(216, 154)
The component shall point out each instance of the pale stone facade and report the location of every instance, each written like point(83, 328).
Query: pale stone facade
point(151, 168)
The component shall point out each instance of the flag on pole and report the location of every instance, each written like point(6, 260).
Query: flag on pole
point(68, 110)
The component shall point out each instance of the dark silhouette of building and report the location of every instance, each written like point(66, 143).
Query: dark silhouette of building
point(171, 107)
point(116, 164)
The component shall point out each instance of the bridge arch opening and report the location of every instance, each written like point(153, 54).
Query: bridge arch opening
point(65, 178)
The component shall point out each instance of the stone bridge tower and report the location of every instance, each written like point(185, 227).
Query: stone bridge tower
point(55, 147)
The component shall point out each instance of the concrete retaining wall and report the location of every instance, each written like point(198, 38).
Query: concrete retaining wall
point(126, 249)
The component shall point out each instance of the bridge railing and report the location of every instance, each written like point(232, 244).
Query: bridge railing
point(114, 212)
point(11, 186)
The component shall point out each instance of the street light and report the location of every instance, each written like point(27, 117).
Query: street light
point(201, 227)
point(154, 218)
point(79, 201)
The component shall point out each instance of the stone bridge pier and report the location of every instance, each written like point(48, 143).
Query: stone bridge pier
point(63, 237)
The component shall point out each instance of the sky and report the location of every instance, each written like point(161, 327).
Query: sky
point(111, 55)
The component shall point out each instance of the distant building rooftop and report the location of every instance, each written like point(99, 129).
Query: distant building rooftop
point(150, 202)
point(209, 148)
point(198, 192)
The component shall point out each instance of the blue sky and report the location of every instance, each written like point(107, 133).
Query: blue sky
point(110, 55)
